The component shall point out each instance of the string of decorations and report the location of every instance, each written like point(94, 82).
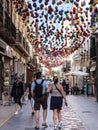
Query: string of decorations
point(51, 37)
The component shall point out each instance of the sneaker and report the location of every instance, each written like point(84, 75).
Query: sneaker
point(16, 113)
point(60, 125)
point(55, 127)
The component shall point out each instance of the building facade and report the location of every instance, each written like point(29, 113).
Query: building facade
point(14, 47)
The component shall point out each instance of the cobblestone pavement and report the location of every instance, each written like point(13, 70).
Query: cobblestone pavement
point(6, 112)
point(70, 120)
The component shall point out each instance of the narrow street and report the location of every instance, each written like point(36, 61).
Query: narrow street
point(81, 114)
point(59, 40)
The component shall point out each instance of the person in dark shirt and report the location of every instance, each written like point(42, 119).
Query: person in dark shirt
point(64, 85)
point(67, 87)
point(17, 92)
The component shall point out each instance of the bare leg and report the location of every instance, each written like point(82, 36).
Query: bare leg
point(59, 115)
point(16, 107)
point(44, 116)
point(37, 117)
point(55, 116)
point(59, 118)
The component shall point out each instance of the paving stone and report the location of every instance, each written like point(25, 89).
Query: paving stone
point(70, 120)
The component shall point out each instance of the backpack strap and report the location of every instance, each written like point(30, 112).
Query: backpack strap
point(58, 89)
point(42, 81)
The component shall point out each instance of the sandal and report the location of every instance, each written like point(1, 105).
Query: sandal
point(36, 127)
point(32, 113)
point(44, 124)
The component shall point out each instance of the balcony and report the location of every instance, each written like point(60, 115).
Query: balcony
point(28, 49)
point(1, 14)
point(8, 30)
point(18, 36)
point(13, 30)
point(21, 43)
point(7, 21)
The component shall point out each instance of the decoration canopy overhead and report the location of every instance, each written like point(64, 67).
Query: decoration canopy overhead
point(57, 28)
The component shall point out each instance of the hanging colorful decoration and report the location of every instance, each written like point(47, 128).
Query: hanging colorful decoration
point(51, 38)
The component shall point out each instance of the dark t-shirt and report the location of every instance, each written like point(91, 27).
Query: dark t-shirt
point(17, 89)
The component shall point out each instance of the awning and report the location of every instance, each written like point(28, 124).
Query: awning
point(77, 73)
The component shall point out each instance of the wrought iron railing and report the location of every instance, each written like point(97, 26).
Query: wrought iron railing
point(13, 30)
point(7, 21)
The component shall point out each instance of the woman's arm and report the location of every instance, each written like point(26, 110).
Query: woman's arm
point(63, 93)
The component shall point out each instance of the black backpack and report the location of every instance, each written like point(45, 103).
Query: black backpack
point(38, 91)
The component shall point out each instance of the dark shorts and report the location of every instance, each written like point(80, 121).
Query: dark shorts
point(56, 103)
point(40, 101)
point(17, 99)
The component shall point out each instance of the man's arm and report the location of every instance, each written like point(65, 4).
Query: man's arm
point(32, 89)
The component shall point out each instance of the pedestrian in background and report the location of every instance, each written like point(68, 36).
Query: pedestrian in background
point(56, 102)
point(64, 85)
point(67, 87)
point(17, 92)
point(29, 94)
point(38, 88)
point(75, 89)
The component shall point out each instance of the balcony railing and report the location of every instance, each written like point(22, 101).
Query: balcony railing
point(25, 45)
point(1, 14)
point(24, 42)
point(13, 30)
point(21, 43)
point(7, 21)
point(18, 36)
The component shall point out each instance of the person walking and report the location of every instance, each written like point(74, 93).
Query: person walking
point(64, 85)
point(56, 101)
point(29, 94)
point(38, 88)
point(17, 92)
point(67, 87)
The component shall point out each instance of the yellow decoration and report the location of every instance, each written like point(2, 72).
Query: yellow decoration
point(67, 1)
point(46, 8)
